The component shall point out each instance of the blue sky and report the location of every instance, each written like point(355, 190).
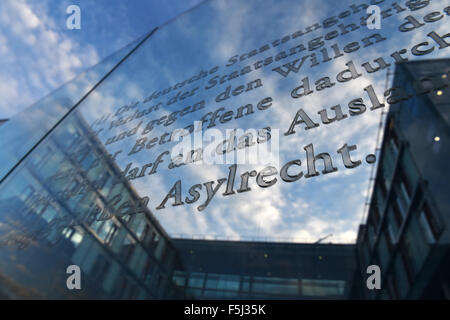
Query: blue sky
point(38, 53)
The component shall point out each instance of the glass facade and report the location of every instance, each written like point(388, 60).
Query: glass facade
point(412, 243)
point(214, 269)
point(225, 154)
point(63, 211)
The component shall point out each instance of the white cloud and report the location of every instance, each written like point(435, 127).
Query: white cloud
point(26, 16)
point(47, 59)
point(9, 92)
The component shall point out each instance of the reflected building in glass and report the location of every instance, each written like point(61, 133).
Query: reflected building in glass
point(407, 229)
point(70, 205)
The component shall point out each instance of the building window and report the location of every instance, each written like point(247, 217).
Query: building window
point(401, 277)
point(110, 234)
point(389, 242)
point(49, 214)
point(88, 161)
point(141, 228)
point(27, 194)
point(121, 286)
point(147, 270)
point(318, 288)
point(160, 251)
point(383, 251)
point(375, 217)
point(408, 268)
point(402, 199)
point(196, 280)
point(383, 185)
point(404, 192)
point(100, 268)
point(393, 142)
point(414, 247)
point(76, 238)
point(365, 253)
point(42, 157)
point(388, 161)
point(375, 214)
point(147, 235)
point(127, 248)
point(276, 286)
point(245, 284)
point(67, 232)
point(393, 223)
point(392, 288)
point(371, 234)
point(179, 278)
point(409, 172)
point(385, 180)
point(392, 234)
point(429, 224)
point(102, 181)
point(406, 184)
point(398, 215)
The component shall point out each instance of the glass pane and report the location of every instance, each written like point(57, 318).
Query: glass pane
point(240, 141)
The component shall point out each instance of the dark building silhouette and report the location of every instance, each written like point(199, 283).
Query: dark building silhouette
point(69, 204)
point(212, 269)
point(407, 228)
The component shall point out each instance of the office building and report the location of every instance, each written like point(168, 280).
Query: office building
point(407, 229)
